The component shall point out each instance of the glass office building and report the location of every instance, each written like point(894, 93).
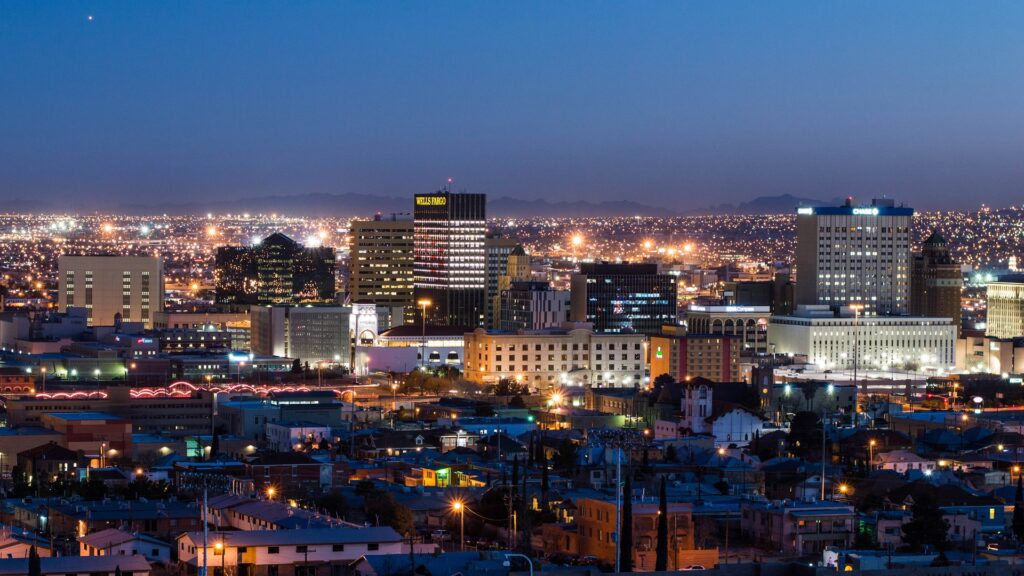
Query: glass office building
point(450, 259)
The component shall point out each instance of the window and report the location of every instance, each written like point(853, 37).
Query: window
point(372, 547)
point(272, 550)
point(301, 549)
point(338, 548)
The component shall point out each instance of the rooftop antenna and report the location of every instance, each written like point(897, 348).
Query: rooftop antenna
point(448, 186)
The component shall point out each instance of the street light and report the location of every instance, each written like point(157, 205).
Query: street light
point(871, 453)
point(856, 359)
point(394, 402)
point(271, 492)
point(458, 506)
point(219, 549)
point(423, 304)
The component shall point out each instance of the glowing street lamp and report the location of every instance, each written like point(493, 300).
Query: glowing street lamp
point(459, 507)
point(423, 304)
point(270, 493)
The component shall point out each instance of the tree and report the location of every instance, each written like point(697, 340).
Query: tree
point(565, 459)
point(663, 379)
point(1018, 509)
point(544, 485)
point(805, 432)
point(333, 503)
point(928, 527)
point(661, 550)
point(515, 473)
point(670, 453)
point(296, 366)
point(35, 568)
point(530, 452)
point(509, 387)
point(517, 402)
point(626, 524)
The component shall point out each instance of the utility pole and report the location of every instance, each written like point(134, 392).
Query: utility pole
point(618, 507)
point(206, 526)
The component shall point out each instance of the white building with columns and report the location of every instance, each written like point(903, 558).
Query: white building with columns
point(838, 341)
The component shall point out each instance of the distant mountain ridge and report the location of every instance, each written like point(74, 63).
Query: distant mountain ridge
point(782, 204)
point(354, 204)
point(360, 204)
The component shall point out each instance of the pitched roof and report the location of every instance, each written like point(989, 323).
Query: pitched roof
point(76, 565)
point(935, 238)
point(300, 536)
point(50, 451)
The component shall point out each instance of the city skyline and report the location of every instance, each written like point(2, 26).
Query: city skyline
point(675, 106)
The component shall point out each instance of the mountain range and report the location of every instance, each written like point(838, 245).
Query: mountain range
point(356, 204)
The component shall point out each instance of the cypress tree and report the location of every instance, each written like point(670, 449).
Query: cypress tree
point(1018, 510)
point(35, 568)
point(626, 535)
point(661, 551)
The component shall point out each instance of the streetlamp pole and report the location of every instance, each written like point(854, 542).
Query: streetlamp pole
point(423, 332)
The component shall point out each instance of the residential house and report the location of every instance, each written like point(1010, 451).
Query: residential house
point(302, 552)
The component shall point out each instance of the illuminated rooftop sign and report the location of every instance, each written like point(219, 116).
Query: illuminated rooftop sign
point(431, 200)
point(865, 211)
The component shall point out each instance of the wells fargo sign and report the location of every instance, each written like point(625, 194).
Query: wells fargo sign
point(431, 200)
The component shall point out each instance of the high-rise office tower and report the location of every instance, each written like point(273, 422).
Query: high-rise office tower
point(526, 305)
point(108, 286)
point(517, 269)
point(1005, 307)
point(381, 263)
point(623, 297)
point(855, 254)
point(497, 253)
point(450, 268)
point(936, 282)
point(277, 270)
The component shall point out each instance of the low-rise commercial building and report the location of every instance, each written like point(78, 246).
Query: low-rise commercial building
point(93, 433)
point(596, 530)
point(286, 551)
point(571, 355)
point(798, 527)
point(715, 357)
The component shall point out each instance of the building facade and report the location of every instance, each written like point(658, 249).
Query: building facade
point(687, 356)
point(748, 323)
point(572, 355)
point(381, 263)
point(876, 342)
point(312, 334)
point(620, 298)
point(498, 251)
point(1006, 307)
point(936, 282)
point(596, 528)
point(450, 269)
point(532, 306)
point(127, 287)
point(855, 254)
point(276, 270)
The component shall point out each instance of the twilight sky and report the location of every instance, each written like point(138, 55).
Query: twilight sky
point(678, 104)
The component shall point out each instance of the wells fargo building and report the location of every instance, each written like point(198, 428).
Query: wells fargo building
point(450, 268)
